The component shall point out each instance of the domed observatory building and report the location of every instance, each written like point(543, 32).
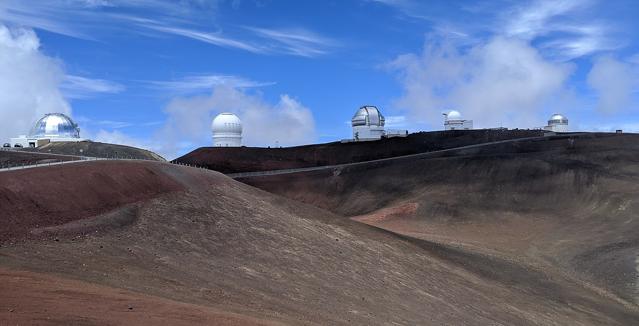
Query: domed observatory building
point(453, 121)
point(368, 124)
point(53, 127)
point(227, 130)
point(557, 123)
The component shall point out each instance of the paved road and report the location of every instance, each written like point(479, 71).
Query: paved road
point(77, 159)
point(80, 159)
point(10, 149)
point(241, 175)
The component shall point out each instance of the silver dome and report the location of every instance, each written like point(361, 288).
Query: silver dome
point(557, 119)
point(368, 116)
point(55, 125)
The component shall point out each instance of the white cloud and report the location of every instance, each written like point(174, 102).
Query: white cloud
point(563, 29)
point(502, 81)
point(191, 19)
point(205, 82)
point(77, 87)
point(188, 123)
point(394, 122)
point(530, 21)
point(567, 28)
point(296, 41)
point(29, 82)
point(212, 38)
point(117, 137)
point(614, 81)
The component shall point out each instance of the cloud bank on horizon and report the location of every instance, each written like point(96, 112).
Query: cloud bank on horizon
point(153, 73)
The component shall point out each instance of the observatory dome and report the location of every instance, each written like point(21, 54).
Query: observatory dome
point(557, 118)
point(368, 116)
point(453, 115)
point(557, 123)
point(227, 130)
point(55, 125)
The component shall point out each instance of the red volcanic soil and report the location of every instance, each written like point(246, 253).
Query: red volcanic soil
point(37, 299)
point(564, 204)
point(49, 196)
point(206, 240)
point(248, 159)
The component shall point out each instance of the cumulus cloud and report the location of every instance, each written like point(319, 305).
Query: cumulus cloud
point(188, 123)
point(29, 82)
point(614, 82)
point(504, 80)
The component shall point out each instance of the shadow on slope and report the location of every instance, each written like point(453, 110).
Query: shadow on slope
point(225, 245)
point(568, 202)
point(250, 159)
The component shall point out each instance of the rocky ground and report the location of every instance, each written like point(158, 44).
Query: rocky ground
point(20, 158)
point(249, 159)
point(567, 205)
point(537, 233)
point(97, 149)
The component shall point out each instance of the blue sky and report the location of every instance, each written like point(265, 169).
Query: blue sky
point(153, 73)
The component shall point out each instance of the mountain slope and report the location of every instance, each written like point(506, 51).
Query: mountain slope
point(566, 204)
point(223, 245)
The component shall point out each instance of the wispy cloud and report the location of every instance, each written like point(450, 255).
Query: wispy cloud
point(205, 83)
point(567, 28)
point(530, 21)
point(295, 41)
point(563, 29)
point(212, 38)
point(77, 87)
point(86, 19)
point(408, 8)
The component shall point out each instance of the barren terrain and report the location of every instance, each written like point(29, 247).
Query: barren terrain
point(530, 233)
point(97, 149)
point(249, 159)
point(566, 205)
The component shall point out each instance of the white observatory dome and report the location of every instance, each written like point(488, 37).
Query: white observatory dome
point(55, 125)
point(227, 130)
point(368, 116)
point(557, 118)
point(453, 115)
point(558, 123)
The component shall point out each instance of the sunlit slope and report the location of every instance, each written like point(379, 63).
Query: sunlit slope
point(570, 203)
point(98, 149)
point(220, 244)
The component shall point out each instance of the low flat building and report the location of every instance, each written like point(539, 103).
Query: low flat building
point(454, 121)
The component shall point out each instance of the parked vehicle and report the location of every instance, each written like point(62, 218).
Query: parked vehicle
point(6, 145)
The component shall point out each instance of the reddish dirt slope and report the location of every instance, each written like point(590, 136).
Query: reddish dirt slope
point(234, 248)
point(565, 205)
point(49, 196)
point(247, 159)
point(38, 299)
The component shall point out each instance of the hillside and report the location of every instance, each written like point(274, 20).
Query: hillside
point(248, 159)
point(97, 149)
point(157, 237)
point(564, 204)
point(11, 158)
